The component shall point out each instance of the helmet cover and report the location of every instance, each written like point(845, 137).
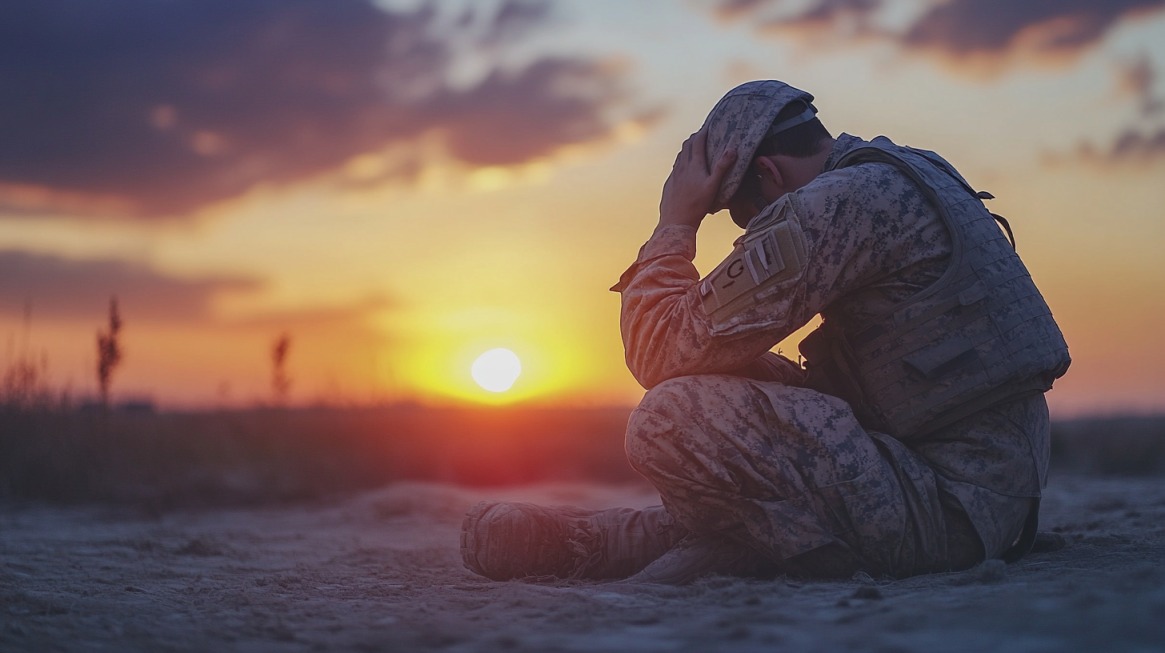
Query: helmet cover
point(742, 119)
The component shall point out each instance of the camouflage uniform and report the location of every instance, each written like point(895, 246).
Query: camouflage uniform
point(735, 442)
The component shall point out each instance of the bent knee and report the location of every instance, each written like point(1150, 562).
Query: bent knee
point(653, 420)
point(673, 396)
point(654, 427)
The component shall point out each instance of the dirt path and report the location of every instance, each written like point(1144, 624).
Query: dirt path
point(381, 572)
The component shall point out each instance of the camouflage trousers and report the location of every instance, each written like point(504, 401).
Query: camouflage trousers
point(790, 472)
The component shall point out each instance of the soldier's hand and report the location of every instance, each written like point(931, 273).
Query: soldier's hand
point(691, 187)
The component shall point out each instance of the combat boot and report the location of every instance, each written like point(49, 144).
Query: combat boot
point(502, 541)
point(705, 555)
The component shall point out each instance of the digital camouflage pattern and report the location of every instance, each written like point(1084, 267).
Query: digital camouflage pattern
point(794, 470)
point(980, 335)
point(740, 121)
point(732, 441)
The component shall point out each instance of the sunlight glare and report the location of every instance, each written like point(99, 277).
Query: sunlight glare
point(496, 370)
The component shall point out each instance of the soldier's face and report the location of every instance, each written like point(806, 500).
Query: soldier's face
point(747, 202)
point(742, 211)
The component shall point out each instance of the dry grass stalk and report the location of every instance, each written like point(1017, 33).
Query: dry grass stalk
point(280, 382)
point(109, 352)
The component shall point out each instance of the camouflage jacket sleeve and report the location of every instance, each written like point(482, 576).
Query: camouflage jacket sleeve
point(869, 239)
point(660, 308)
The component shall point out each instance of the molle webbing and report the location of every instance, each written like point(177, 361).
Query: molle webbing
point(980, 334)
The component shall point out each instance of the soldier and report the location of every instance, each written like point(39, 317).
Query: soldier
point(915, 438)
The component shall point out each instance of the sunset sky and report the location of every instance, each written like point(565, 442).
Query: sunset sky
point(402, 185)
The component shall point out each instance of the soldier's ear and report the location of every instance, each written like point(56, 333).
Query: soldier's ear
point(769, 176)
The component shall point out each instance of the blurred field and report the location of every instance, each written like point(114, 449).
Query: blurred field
point(264, 456)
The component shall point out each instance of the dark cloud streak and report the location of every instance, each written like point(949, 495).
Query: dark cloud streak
point(827, 12)
point(165, 107)
point(69, 289)
point(963, 27)
point(958, 30)
point(558, 100)
point(1132, 149)
point(1138, 78)
point(1135, 145)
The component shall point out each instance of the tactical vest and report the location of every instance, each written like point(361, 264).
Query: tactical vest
point(980, 334)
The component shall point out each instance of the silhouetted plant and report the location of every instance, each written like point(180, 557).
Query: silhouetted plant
point(280, 382)
point(24, 384)
point(109, 352)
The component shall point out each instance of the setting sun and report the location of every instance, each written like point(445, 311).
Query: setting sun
point(496, 370)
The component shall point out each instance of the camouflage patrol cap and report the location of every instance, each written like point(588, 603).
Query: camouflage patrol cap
point(742, 119)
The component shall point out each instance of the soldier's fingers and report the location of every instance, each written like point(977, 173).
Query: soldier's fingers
point(686, 149)
point(723, 164)
point(696, 148)
point(699, 139)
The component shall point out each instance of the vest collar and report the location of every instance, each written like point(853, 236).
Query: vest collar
point(841, 146)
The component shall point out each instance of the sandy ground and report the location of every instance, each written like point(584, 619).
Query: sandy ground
point(381, 572)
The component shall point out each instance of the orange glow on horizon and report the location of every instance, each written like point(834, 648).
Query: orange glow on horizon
point(549, 371)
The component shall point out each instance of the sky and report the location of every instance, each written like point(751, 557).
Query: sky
point(398, 186)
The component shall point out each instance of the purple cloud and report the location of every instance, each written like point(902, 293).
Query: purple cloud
point(1136, 145)
point(155, 109)
point(68, 289)
point(966, 27)
point(829, 12)
point(1132, 147)
point(1138, 79)
point(965, 32)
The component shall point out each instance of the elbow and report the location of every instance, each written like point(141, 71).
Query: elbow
point(647, 382)
point(648, 370)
